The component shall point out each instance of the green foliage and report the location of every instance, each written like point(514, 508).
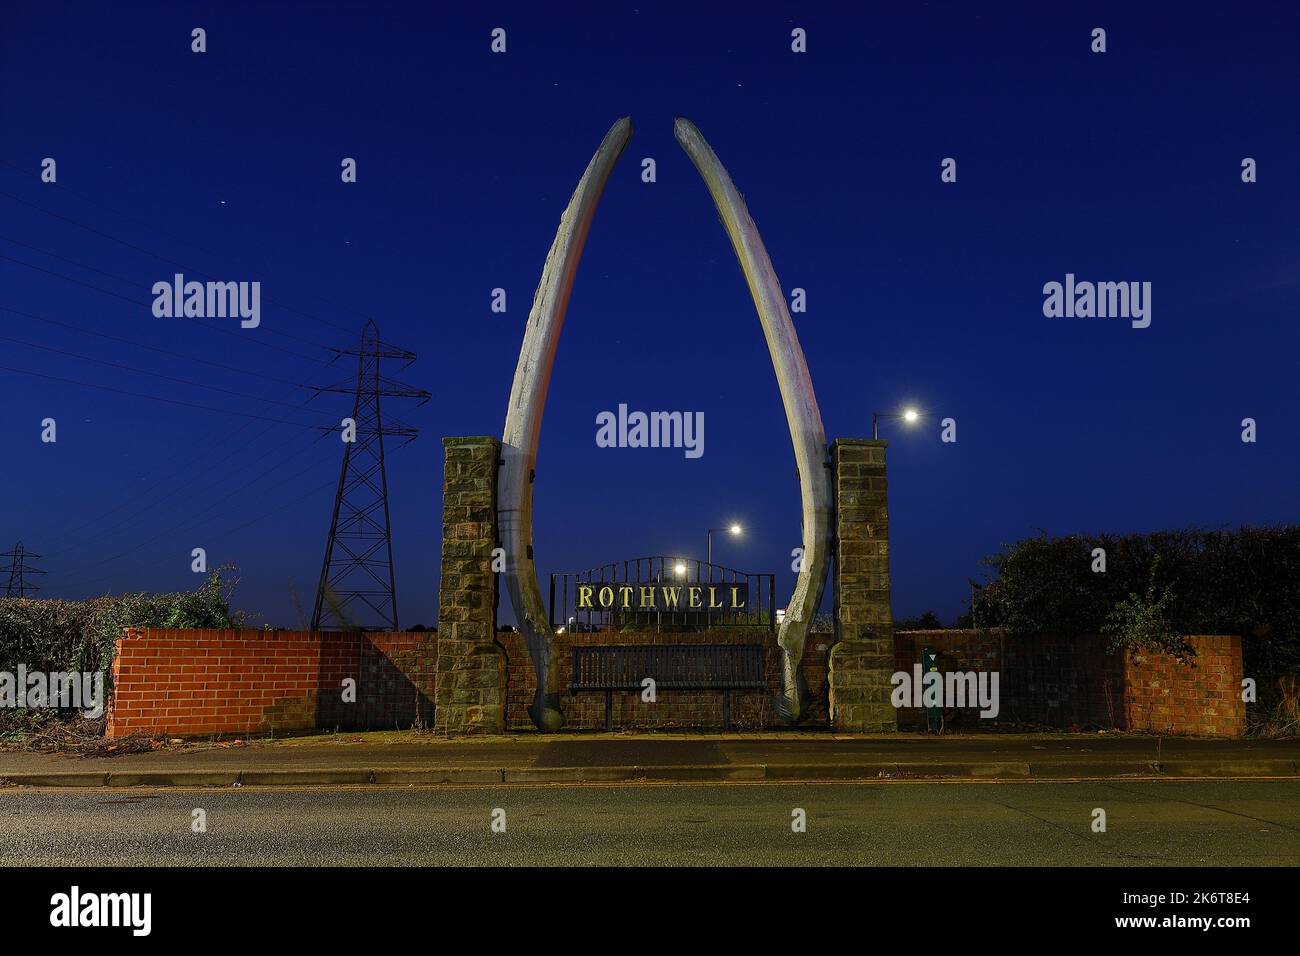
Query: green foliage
point(1144, 622)
point(49, 635)
point(1244, 581)
point(928, 621)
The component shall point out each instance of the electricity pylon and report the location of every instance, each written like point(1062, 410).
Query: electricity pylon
point(357, 588)
point(18, 571)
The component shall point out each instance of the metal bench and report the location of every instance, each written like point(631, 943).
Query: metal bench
point(724, 667)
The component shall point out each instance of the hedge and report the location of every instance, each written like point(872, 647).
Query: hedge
point(48, 635)
point(1156, 588)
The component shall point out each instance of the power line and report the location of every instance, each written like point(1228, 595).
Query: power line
point(214, 448)
point(190, 522)
point(218, 535)
point(188, 318)
point(197, 518)
point(228, 437)
point(154, 502)
point(154, 398)
point(148, 492)
point(140, 345)
point(133, 282)
point(147, 252)
point(22, 171)
point(74, 279)
point(187, 524)
point(141, 371)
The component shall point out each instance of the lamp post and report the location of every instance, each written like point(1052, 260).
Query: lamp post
point(734, 530)
point(909, 415)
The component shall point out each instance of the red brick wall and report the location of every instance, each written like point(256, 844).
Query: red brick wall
point(207, 682)
point(673, 709)
point(1062, 682)
point(1201, 697)
point(958, 651)
point(1074, 682)
point(395, 674)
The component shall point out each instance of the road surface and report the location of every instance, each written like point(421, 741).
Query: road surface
point(1148, 823)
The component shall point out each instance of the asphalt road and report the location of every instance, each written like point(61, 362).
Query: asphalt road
point(1148, 823)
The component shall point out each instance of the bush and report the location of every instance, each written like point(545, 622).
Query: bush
point(50, 636)
point(928, 621)
point(1157, 588)
point(1144, 622)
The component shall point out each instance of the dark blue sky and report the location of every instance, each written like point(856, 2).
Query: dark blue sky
point(1122, 166)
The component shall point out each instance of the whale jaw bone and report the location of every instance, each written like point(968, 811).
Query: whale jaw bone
point(801, 411)
point(528, 398)
point(524, 422)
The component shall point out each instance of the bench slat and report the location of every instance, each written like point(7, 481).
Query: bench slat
point(672, 666)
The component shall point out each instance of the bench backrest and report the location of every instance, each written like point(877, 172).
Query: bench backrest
point(695, 666)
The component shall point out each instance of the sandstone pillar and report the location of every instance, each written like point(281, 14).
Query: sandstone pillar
point(470, 693)
point(862, 659)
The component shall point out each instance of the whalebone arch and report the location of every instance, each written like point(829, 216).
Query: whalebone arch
point(528, 401)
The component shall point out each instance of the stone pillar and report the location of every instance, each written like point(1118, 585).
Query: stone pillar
point(470, 693)
point(862, 660)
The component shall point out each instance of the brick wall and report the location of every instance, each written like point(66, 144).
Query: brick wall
point(958, 651)
point(1062, 682)
point(673, 709)
point(395, 673)
point(1075, 683)
point(208, 682)
point(1203, 697)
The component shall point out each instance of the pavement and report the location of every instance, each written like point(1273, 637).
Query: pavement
point(420, 759)
point(881, 823)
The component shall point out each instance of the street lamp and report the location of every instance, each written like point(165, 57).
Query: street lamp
point(909, 415)
point(735, 530)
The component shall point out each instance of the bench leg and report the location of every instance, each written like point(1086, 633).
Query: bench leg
point(609, 710)
point(726, 710)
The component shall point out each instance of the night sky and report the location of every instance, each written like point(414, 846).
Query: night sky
point(1122, 166)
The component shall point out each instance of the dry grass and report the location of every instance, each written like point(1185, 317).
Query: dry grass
point(1284, 718)
point(51, 732)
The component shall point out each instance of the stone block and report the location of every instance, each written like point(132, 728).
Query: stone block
point(861, 661)
point(470, 685)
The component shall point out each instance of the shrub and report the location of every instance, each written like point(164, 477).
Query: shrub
point(1144, 622)
point(48, 635)
point(1157, 588)
point(928, 621)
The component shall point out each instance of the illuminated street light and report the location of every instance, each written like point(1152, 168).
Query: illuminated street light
point(733, 529)
point(910, 415)
point(680, 568)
